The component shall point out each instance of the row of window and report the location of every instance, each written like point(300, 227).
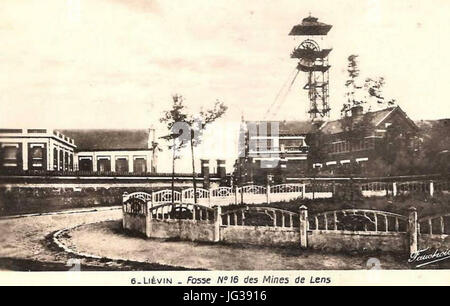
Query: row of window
point(11, 157)
point(62, 160)
point(346, 146)
point(121, 165)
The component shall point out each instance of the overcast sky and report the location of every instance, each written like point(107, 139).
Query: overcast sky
point(116, 63)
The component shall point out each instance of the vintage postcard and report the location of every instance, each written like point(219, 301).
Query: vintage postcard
point(224, 143)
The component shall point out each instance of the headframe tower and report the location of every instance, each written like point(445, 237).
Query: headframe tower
point(314, 62)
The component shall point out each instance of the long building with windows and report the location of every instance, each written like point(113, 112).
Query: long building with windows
point(115, 151)
point(102, 151)
point(36, 149)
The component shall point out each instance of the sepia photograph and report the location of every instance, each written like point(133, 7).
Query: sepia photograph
point(195, 137)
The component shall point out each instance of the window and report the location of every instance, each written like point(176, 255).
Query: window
point(139, 165)
point(37, 156)
point(85, 163)
point(10, 155)
point(71, 162)
point(66, 161)
point(55, 159)
point(103, 164)
point(61, 160)
point(122, 164)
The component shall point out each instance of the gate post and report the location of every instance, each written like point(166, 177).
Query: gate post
point(268, 193)
point(431, 188)
point(303, 225)
point(148, 222)
point(394, 189)
point(124, 198)
point(217, 222)
point(412, 230)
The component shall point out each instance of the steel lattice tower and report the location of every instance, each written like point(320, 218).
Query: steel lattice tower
point(314, 62)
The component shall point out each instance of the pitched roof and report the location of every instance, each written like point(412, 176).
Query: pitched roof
point(376, 117)
point(102, 139)
point(288, 127)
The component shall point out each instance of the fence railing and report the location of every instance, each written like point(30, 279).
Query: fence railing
point(256, 194)
point(359, 220)
point(435, 225)
point(53, 173)
point(260, 216)
point(348, 229)
point(181, 212)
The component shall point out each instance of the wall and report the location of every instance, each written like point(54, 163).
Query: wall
point(358, 241)
point(135, 223)
point(325, 240)
point(260, 235)
point(441, 242)
point(183, 229)
point(318, 195)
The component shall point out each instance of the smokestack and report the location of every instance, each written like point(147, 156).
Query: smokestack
point(205, 172)
point(221, 171)
point(357, 110)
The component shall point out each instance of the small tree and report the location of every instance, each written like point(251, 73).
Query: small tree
point(171, 118)
point(189, 128)
point(351, 85)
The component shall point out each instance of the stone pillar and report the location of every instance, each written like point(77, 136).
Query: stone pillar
point(130, 163)
point(303, 225)
point(268, 192)
point(24, 155)
point(412, 230)
point(431, 188)
point(303, 190)
point(113, 163)
point(217, 223)
point(394, 189)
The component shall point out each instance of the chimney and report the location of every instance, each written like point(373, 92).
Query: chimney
point(205, 172)
point(357, 110)
point(151, 138)
point(221, 171)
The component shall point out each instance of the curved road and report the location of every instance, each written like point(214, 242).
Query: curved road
point(26, 242)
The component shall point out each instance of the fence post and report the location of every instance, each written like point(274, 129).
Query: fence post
point(303, 190)
point(412, 230)
point(303, 225)
point(124, 198)
point(268, 193)
point(148, 222)
point(217, 222)
point(431, 188)
point(209, 197)
point(394, 189)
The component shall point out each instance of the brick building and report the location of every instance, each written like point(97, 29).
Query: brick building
point(344, 148)
point(281, 149)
